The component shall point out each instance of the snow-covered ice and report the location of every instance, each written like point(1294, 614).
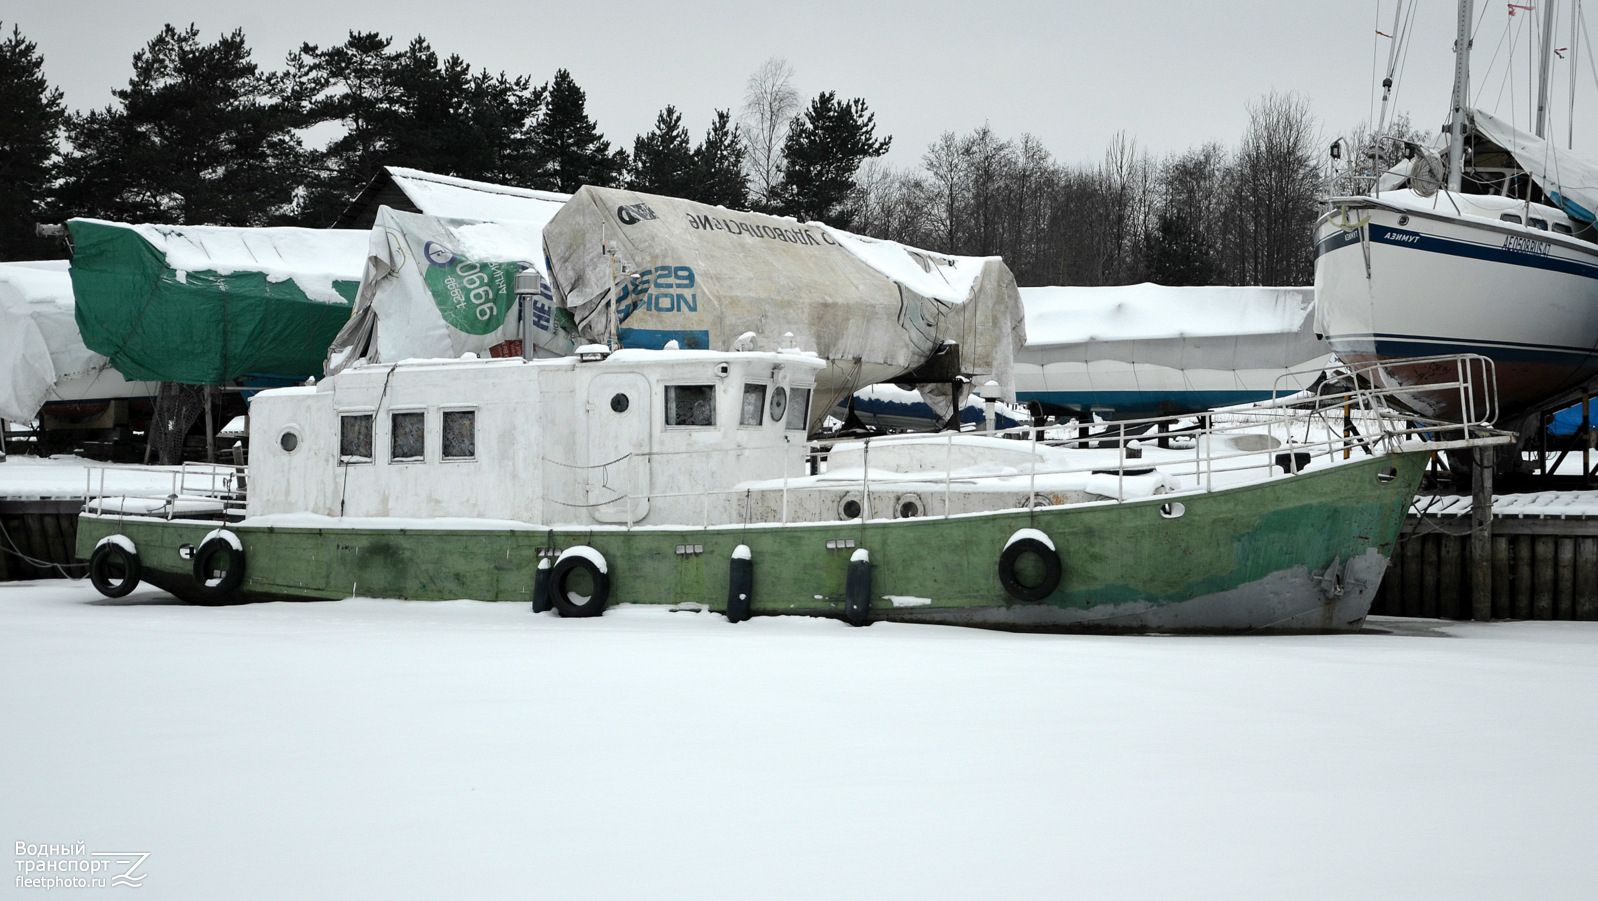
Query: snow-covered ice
point(385, 749)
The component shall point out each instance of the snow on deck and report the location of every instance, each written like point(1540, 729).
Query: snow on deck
point(386, 749)
point(65, 477)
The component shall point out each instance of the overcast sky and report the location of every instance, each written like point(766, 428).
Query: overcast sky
point(1172, 75)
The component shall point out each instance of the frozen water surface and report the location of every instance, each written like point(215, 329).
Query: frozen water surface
point(385, 749)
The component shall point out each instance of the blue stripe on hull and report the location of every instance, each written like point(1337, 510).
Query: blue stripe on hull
point(1422, 346)
point(1414, 240)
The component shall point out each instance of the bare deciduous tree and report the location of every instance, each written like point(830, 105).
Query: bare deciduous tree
point(770, 103)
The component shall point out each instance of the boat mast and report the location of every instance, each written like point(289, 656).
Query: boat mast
point(1456, 124)
point(1545, 71)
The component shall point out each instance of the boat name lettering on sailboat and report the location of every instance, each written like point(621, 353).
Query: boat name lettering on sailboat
point(1526, 245)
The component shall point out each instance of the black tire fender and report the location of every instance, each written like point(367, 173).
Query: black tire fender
point(111, 552)
point(572, 559)
point(223, 547)
point(1023, 542)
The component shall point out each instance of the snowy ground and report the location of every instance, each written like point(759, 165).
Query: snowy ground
point(385, 749)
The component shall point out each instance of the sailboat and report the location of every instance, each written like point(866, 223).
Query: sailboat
point(1490, 251)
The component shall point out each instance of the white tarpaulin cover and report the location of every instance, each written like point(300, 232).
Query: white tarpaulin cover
point(1148, 349)
point(1570, 180)
point(704, 276)
point(440, 287)
point(40, 347)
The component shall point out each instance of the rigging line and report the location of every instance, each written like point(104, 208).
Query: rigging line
point(1403, 63)
point(1490, 63)
point(1588, 39)
point(1376, 50)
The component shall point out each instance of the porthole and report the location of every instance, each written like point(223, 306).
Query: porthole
point(1403, 220)
point(1172, 510)
point(1387, 475)
point(289, 441)
point(850, 507)
point(619, 402)
point(779, 403)
point(908, 506)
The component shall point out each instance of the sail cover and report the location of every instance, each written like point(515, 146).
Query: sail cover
point(645, 270)
point(205, 305)
point(1571, 181)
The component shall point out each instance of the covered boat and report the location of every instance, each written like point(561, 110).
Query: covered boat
point(1146, 350)
point(237, 301)
point(644, 271)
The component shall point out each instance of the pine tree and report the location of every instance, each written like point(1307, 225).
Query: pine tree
point(1179, 253)
point(409, 108)
point(719, 165)
point(31, 114)
point(663, 159)
point(199, 136)
point(571, 151)
point(823, 152)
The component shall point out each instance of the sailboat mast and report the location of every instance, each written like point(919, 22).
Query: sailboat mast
point(1545, 71)
point(1456, 123)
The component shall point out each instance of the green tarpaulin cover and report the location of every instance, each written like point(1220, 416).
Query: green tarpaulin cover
point(205, 305)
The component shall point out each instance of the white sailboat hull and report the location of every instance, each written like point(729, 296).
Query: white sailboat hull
point(1403, 276)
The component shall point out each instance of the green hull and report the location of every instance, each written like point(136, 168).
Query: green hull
point(1300, 553)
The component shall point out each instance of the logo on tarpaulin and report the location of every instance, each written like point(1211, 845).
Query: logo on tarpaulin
point(438, 254)
point(634, 213)
point(472, 297)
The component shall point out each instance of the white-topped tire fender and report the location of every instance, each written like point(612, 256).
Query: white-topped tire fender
point(581, 563)
point(219, 564)
point(1023, 543)
point(114, 567)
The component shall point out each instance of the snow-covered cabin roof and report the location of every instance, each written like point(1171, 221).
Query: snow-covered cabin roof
point(415, 191)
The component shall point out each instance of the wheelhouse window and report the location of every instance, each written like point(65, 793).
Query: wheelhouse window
point(1540, 224)
point(798, 409)
point(355, 438)
point(1561, 228)
point(1512, 217)
point(460, 434)
point(408, 438)
point(691, 405)
point(754, 405)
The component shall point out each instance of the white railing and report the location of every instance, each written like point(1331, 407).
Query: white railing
point(192, 490)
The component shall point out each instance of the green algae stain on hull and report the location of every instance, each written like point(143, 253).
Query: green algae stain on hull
point(1243, 558)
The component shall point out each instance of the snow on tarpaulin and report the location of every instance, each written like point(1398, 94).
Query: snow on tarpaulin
point(1150, 349)
point(462, 198)
point(704, 275)
point(42, 355)
point(438, 287)
point(1570, 180)
point(236, 300)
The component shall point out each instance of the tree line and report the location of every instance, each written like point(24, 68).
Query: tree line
point(202, 135)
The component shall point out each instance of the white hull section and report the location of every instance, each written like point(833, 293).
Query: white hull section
point(1403, 276)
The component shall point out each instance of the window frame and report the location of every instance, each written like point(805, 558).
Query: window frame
point(666, 405)
point(356, 459)
point(804, 417)
point(406, 411)
point(444, 457)
point(765, 397)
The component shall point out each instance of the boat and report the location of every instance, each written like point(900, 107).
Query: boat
point(684, 477)
point(1487, 250)
point(1148, 350)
